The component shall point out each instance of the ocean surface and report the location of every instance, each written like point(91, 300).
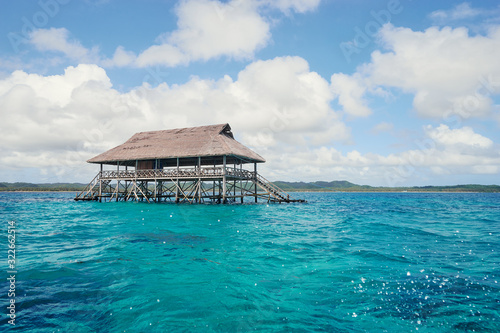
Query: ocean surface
point(343, 262)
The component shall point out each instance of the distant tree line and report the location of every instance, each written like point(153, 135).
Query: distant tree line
point(41, 187)
point(319, 186)
point(345, 186)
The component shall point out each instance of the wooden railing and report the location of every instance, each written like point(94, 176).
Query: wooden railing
point(178, 173)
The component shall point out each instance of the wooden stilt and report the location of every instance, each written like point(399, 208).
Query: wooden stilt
point(100, 185)
point(126, 185)
point(234, 184)
point(199, 179)
point(118, 180)
point(224, 200)
point(156, 184)
point(177, 183)
point(241, 183)
point(255, 182)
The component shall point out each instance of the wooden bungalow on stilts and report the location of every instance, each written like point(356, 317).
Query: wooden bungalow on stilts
point(197, 164)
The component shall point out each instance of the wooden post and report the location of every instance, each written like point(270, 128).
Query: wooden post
point(156, 181)
point(177, 183)
point(241, 182)
point(135, 179)
point(117, 180)
point(224, 179)
point(100, 184)
point(199, 179)
point(255, 182)
point(234, 183)
point(126, 186)
point(219, 188)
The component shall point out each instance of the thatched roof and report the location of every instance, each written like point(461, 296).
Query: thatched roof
point(208, 142)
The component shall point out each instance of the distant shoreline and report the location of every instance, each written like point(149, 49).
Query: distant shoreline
point(332, 191)
point(39, 191)
point(318, 186)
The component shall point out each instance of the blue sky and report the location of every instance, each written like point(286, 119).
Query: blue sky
point(384, 93)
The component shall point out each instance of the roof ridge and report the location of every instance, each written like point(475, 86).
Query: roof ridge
point(222, 125)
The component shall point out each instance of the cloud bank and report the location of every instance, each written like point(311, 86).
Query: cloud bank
point(279, 107)
point(447, 71)
point(62, 120)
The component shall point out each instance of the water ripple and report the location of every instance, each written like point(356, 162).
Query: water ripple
point(343, 262)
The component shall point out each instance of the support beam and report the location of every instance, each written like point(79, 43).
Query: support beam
point(177, 183)
point(126, 185)
point(255, 182)
point(117, 181)
point(199, 179)
point(224, 200)
point(156, 182)
point(213, 187)
point(100, 185)
point(234, 184)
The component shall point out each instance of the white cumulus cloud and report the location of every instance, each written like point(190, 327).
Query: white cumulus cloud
point(459, 12)
point(209, 29)
point(448, 71)
point(58, 39)
point(350, 91)
point(299, 6)
point(445, 136)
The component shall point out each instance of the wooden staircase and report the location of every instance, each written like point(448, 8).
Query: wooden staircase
point(94, 189)
point(91, 191)
point(275, 193)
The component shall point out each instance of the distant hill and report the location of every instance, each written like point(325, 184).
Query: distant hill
point(41, 187)
point(318, 186)
point(345, 186)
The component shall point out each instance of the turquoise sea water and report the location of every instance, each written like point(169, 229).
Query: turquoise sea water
point(343, 262)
